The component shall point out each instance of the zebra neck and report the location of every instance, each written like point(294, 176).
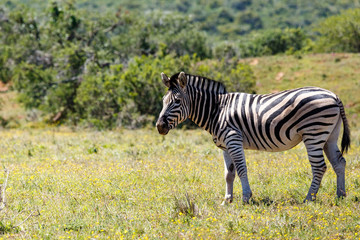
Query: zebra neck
point(204, 109)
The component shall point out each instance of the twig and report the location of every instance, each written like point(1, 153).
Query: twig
point(3, 196)
point(31, 214)
point(17, 214)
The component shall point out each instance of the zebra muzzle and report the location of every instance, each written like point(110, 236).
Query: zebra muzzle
point(162, 126)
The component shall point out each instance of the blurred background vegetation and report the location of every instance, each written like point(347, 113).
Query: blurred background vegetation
point(97, 63)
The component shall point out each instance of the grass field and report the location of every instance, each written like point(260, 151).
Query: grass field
point(140, 185)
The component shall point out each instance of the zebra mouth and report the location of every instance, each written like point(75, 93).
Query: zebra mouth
point(162, 126)
point(163, 131)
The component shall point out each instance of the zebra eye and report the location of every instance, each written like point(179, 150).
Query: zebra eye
point(177, 100)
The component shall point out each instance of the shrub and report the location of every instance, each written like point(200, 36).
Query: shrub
point(32, 83)
point(340, 33)
point(177, 34)
point(132, 97)
point(126, 97)
point(273, 42)
point(97, 98)
point(237, 76)
point(225, 50)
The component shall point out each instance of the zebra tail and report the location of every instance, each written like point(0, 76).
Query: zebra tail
point(345, 142)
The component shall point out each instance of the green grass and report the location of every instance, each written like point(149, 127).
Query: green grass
point(139, 185)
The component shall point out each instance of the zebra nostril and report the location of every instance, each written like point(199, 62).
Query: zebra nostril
point(162, 127)
point(162, 123)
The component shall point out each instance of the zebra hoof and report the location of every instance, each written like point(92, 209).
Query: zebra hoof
point(341, 193)
point(309, 199)
point(246, 197)
point(226, 202)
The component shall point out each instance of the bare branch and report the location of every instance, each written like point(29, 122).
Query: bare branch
point(3, 188)
point(112, 27)
point(31, 214)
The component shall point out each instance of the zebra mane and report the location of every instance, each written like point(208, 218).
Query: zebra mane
point(201, 83)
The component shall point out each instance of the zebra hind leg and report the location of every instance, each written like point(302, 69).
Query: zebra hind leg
point(337, 160)
point(229, 178)
point(318, 167)
point(338, 163)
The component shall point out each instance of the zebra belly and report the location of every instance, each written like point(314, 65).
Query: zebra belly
point(290, 144)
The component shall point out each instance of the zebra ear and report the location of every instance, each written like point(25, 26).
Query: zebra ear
point(182, 79)
point(165, 79)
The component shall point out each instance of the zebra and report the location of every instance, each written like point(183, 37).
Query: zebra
point(270, 122)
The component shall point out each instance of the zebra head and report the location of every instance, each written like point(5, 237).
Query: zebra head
point(176, 103)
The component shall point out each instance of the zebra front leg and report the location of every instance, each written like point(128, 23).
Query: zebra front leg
point(234, 145)
point(229, 178)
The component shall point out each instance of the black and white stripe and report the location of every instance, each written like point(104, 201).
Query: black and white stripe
point(270, 122)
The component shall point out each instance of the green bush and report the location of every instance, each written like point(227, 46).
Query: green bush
point(225, 51)
point(126, 97)
point(32, 83)
point(177, 34)
point(97, 98)
point(142, 86)
point(131, 97)
point(340, 33)
point(5, 64)
point(271, 42)
point(237, 76)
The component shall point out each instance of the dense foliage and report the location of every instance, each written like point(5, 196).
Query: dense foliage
point(224, 18)
point(102, 71)
point(101, 68)
point(340, 33)
point(274, 41)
